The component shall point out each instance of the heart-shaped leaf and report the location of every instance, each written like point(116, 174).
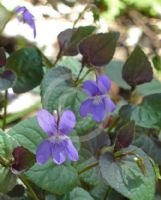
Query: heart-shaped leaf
point(125, 135)
point(99, 49)
point(137, 69)
point(55, 179)
point(125, 175)
point(70, 38)
point(23, 159)
point(148, 113)
point(27, 64)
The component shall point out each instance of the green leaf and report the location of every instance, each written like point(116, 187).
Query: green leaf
point(70, 39)
point(90, 177)
point(148, 113)
point(55, 179)
point(137, 69)
point(99, 191)
point(27, 63)
point(150, 145)
point(74, 65)
point(28, 134)
point(114, 72)
point(149, 88)
point(99, 49)
point(7, 178)
point(157, 62)
point(5, 17)
point(126, 177)
point(78, 194)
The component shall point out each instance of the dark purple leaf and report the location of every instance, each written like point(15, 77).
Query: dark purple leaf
point(70, 38)
point(23, 159)
point(125, 135)
point(137, 69)
point(2, 57)
point(99, 49)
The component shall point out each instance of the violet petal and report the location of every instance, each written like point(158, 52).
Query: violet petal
point(20, 9)
point(67, 122)
point(91, 88)
point(98, 111)
point(109, 104)
point(71, 150)
point(104, 84)
point(46, 122)
point(43, 152)
point(58, 152)
point(85, 108)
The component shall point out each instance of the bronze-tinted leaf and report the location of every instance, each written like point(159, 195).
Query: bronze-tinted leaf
point(99, 49)
point(125, 135)
point(137, 69)
point(23, 159)
point(70, 38)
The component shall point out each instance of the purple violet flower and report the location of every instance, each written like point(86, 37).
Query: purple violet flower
point(26, 17)
point(98, 103)
point(58, 145)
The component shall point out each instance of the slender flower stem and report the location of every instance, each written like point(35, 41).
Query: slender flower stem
point(108, 193)
point(88, 167)
point(80, 15)
point(43, 195)
point(5, 109)
point(26, 183)
point(82, 67)
point(85, 75)
point(58, 57)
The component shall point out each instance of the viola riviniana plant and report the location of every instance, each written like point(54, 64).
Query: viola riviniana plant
point(98, 103)
point(25, 16)
point(58, 145)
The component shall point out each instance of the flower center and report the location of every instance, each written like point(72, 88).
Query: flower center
point(97, 99)
point(57, 138)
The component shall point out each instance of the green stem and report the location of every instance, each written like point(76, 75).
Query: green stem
point(26, 183)
point(108, 193)
point(5, 109)
point(82, 67)
point(43, 195)
point(80, 15)
point(58, 56)
point(85, 75)
point(88, 167)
